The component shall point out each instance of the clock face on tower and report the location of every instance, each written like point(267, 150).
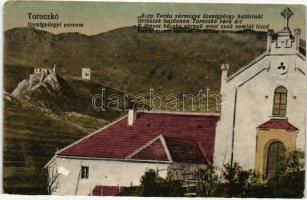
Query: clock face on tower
point(282, 69)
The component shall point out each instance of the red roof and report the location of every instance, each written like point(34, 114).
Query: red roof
point(179, 150)
point(154, 151)
point(183, 150)
point(278, 124)
point(101, 190)
point(119, 140)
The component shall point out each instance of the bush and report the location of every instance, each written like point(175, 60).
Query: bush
point(295, 161)
point(153, 185)
point(131, 191)
point(291, 185)
point(149, 183)
point(207, 180)
point(237, 180)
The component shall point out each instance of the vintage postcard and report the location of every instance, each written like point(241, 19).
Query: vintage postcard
point(154, 99)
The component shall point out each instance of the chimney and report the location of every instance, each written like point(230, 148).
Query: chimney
point(269, 40)
point(224, 68)
point(297, 32)
point(131, 113)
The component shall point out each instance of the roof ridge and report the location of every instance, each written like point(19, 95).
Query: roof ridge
point(144, 146)
point(166, 148)
point(150, 142)
point(204, 155)
point(166, 112)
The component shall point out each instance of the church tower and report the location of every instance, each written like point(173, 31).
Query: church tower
point(264, 106)
point(284, 42)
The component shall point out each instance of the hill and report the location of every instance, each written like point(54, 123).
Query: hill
point(45, 113)
point(135, 62)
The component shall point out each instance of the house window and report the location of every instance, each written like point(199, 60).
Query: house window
point(280, 101)
point(84, 172)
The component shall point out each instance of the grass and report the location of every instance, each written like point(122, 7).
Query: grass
point(87, 122)
point(31, 137)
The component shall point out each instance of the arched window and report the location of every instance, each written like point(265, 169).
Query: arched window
point(276, 156)
point(280, 101)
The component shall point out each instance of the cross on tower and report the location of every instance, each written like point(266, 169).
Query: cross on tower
point(286, 13)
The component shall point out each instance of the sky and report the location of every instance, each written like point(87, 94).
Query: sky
point(100, 17)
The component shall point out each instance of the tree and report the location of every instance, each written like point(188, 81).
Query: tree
point(149, 183)
point(207, 180)
point(153, 185)
point(237, 180)
point(52, 179)
point(289, 184)
point(295, 161)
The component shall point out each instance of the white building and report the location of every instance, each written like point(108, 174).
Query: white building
point(264, 105)
point(86, 74)
point(118, 155)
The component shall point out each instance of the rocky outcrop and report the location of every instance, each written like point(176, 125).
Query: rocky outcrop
point(47, 90)
point(7, 96)
point(38, 81)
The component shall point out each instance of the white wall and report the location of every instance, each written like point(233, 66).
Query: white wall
point(101, 172)
point(254, 107)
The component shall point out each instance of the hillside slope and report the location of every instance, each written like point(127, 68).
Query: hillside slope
point(31, 136)
point(43, 114)
point(135, 62)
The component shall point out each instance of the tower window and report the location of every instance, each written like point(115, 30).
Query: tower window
point(280, 101)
